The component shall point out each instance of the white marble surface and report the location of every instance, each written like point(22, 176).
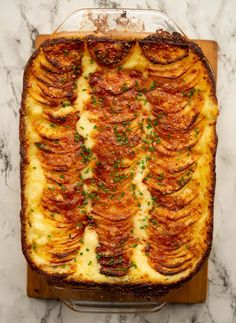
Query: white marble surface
point(21, 21)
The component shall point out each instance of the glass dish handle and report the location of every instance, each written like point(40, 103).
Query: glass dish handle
point(113, 307)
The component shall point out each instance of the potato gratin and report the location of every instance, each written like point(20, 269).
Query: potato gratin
point(118, 145)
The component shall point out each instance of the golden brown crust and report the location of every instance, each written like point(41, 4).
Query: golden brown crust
point(107, 51)
point(160, 43)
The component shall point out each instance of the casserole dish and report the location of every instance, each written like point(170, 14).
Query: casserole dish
point(104, 24)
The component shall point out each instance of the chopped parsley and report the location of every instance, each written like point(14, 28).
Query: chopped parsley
point(160, 177)
point(94, 100)
point(196, 130)
point(125, 87)
point(66, 103)
point(187, 247)
point(181, 181)
point(65, 52)
point(34, 245)
point(154, 221)
point(98, 256)
point(153, 85)
point(143, 227)
point(77, 137)
point(133, 264)
point(190, 93)
point(111, 261)
point(102, 186)
point(40, 145)
point(137, 86)
point(117, 163)
point(155, 122)
point(63, 266)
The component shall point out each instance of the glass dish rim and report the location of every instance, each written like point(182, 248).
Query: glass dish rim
point(123, 10)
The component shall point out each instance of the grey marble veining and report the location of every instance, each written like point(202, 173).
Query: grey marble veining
point(21, 21)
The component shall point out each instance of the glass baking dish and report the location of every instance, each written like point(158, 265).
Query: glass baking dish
point(105, 21)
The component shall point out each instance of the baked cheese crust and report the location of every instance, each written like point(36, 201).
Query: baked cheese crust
point(118, 145)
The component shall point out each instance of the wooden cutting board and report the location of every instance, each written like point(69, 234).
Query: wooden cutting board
point(195, 291)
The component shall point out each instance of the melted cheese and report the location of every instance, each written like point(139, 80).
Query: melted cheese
point(144, 196)
point(136, 60)
point(87, 265)
point(85, 126)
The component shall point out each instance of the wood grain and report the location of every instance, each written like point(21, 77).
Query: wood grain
point(195, 291)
